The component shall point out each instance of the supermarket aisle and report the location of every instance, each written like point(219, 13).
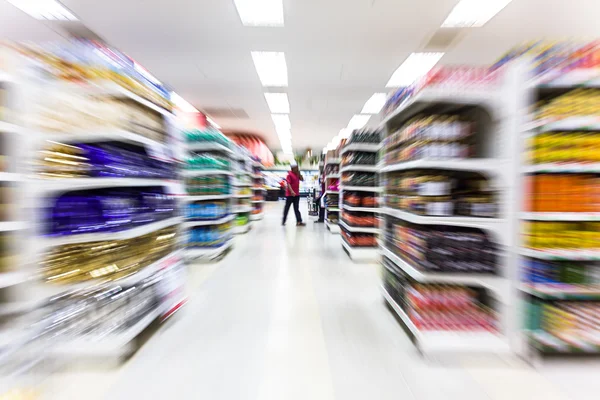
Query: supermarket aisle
point(287, 316)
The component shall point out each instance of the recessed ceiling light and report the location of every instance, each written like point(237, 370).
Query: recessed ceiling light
point(358, 121)
point(281, 121)
point(473, 13)
point(260, 12)
point(278, 103)
point(374, 104)
point(414, 67)
point(51, 10)
point(182, 104)
point(271, 67)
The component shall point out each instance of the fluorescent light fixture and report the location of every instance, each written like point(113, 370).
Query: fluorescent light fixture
point(278, 103)
point(374, 104)
point(281, 121)
point(260, 12)
point(271, 68)
point(414, 67)
point(358, 121)
point(212, 122)
point(144, 72)
point(51, 10)
point(182, 104)
point(473, 13)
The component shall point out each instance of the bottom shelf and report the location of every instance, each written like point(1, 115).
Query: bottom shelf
point(209, 252)
point(109, 346)
point(239, 230)
point(333, 228)
point(548, 343)
point(450, 341)
point(361, 253)
point(257, 217)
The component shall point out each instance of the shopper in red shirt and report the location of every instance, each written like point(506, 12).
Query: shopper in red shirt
point(292, 194)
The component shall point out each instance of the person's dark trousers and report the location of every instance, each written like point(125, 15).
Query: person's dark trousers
point(321, 210)
point(295, 200)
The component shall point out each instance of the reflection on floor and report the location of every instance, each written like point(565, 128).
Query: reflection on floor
point(285, 316)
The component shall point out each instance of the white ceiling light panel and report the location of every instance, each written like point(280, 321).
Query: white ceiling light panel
point(278, 103)
point(358, 121)
point(50, 10)
point(271, 68)
point(374, 104)
point(281, 121)
point(473, 13)
point(414, 67)
point(260, 12)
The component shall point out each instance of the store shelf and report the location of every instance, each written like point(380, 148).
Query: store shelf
point(363, 168)
point(576, 123)
point(10, 177)
point(361, 209)
point(450, 341)
point(566, 168)
point(191, 224)
point(241, 229)
point(207, 252)
point(256, 176)
point(240, 210)
point(257, 201)
point(359, 253)
point(562, 291)
point(332, 209)
point(242, 184)
point(119, 91)
point(333, 228)
point(5, 127)
point(366, 147)
point(560, 216)
point(562, 254)
point(545, 342)
point(6, 226)
point(361, 188)
point(102, 236)
point(112, 345)
point(208, 146)
point(105, 135)
point(13, 278)
point(207, 197)
point(333, 176)
point(256, 217)
point(445, 98)
point(259, 189)
point(332, 192)
point(358, 228)
point(498, 285)
point(71, 184)
point(333, 161)
point(469, 222)
point(242, 196)
point(484, 165)
point(202, 172)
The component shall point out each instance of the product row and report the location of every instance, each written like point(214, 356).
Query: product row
point(440, 307)
point(441, 194)
point(332, 169)
point(360, 199)
point(561, 272)
point(208, 135)
point(430, 149)
point(356, 239)
point(208, 185)
point(365, 135)
point(206, 161)
point(102, 160)
point(359, 179)
point(565, 147)
point(359, 158)
point(562, 193)
point(208, 236)
point(442, 249)
point(112, 259)
point(562, 235)
point(362, 219)
point(433, 128)
point(206, 210)
point(107, 210)
point(578, 102)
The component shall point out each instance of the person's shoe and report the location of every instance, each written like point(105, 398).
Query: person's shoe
point(283, 224)
point(300, 224)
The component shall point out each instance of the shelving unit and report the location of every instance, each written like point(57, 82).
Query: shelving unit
point(497, 113)
point(360, 202)
point(258, 192)
point(332, 179)
point(243, 188)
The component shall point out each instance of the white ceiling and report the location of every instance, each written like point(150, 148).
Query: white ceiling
point(338, 52)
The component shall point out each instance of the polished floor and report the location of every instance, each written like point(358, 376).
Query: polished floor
point(287, 316)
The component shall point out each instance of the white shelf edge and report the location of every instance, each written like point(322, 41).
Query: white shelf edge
point(361, 253)
point(207, 146)
point(6, 226)
point(361, 209)
point(206, 197)
point(242, 196)
point(496, 284)
point(560, 216)
point(332, 209)
point(492, 224)
point(259, 189)
point(114, 89)
point(6, 127)
point(256, 217)
point(202, 172)
point(207, 252)
point(12, 278)
point(332, 192)
point(363, 168)
point(564, 168)
point(333, 228)
point(361, 188)
point(366, 147)
point(102, 236)
point(465, 164)
point(358, 228)
point(333, 176)
point(239, 230)
point(70, 184)
point(240, 210)
point(10, 177)
point(575, 255)
point(190, 224)
point(257, 201)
